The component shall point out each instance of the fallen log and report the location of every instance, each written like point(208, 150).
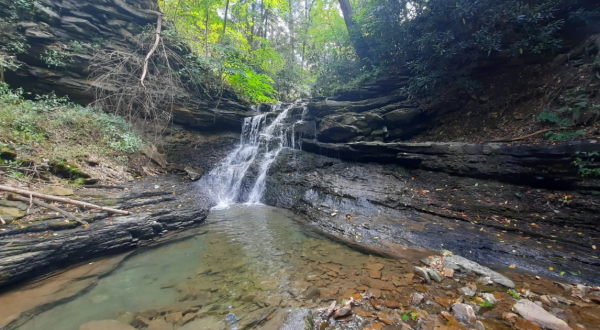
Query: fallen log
point(49, 206)
point(32, 194)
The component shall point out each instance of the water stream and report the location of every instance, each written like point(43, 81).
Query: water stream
point(262, 139)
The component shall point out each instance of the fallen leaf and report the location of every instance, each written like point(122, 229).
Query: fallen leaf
point(594, 247)
point(512, 266)
point(550, 268)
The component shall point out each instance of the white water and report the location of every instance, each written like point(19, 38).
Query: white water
point(260, 144)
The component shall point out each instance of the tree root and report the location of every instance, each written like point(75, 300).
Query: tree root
point(153, 49)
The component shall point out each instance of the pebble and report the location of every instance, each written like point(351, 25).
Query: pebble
point(416, 299)
point(467, 291)
point(464, 313)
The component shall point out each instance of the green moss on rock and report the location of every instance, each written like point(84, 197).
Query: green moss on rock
point(67, 170)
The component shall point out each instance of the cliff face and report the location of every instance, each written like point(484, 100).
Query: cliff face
point(56, 39)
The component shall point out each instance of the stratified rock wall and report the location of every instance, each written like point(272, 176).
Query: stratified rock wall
point(60, 38)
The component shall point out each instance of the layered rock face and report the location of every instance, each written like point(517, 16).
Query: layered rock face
point(59, 38)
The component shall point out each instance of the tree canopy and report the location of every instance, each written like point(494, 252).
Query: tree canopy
point(270, 50)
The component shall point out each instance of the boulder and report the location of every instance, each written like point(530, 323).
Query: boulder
point(105, 325)
point(7, 154)
point(538, 315)
point(194, 173)
point(402, 117)
point(481, 270)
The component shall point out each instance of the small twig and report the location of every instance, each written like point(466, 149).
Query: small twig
point(522, 137)
point(2, 220)
point(51, 207)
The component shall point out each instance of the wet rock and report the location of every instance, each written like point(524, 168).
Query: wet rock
point(422, 273)
point(464, 313)
point(375, 274)
point(140, 322)
point(375, 267)
point(375, 293)
point(450, 265)
point(296, 320)
point(256, 317)
point(342, 312)
point(416, 299)
point(479, 326)
point(434, 275)
point(378, 284)
point(391, 304)
point(187, 318)
point(194, 173)
point(467, 291)
point(126, 318)
point(105, 325)
point(566, 287)
point(159, 324)
point(207, 323)
point(489, 298)
point(481, 270)
point(532, 312)
point(174, 317)
point(522, 324)
point(56, 191)
point(448, 272)
point(332, 131)
point(385, 318)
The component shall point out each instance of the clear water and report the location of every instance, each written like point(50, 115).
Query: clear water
point(248, 256)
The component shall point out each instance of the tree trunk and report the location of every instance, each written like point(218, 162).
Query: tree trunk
point(353, 30)
point(206, 30)
point(225, 19)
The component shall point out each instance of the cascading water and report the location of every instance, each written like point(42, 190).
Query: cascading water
point(260, 144)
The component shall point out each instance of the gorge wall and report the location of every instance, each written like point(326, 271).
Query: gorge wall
point(58, 39)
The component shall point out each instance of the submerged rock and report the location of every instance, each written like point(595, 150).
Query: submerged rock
point(422, 273)
point(105, 325)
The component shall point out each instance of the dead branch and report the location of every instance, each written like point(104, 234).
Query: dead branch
point(153, 49)
point(2, 220)
point(51, 207)
point(522, 137)
point(61, 199)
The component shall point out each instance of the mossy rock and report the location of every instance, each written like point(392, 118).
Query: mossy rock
point(67, 170)
point(7, 154)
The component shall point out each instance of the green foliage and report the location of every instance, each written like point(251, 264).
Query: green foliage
point(410, 315)
point(486, 304)
point(578, 110)
point(55, 58)
point(514, 293)
point(438, 40)
point(76, 46)
point(53, 127)
point(586, 164)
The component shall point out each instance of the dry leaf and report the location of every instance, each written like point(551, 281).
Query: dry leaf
point(512, 266)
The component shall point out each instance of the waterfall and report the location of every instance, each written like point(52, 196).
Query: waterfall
point(260, 144)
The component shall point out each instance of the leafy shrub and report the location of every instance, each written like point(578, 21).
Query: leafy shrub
point(585, 164)
point(54, 127)
point(438, 40)
point(55, 58)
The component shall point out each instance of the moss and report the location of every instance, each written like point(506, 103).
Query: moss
point(7, 154)
point(67, 170)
